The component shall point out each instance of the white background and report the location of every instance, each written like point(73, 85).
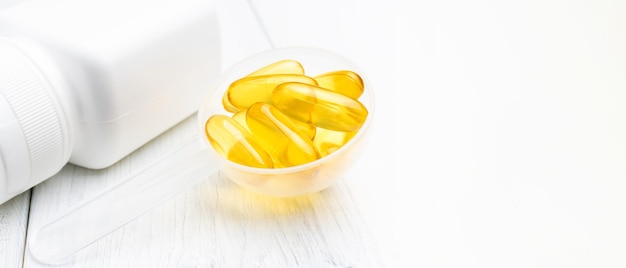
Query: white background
point(518, 130)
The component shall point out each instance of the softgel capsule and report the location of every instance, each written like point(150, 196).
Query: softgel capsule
point(283, 113)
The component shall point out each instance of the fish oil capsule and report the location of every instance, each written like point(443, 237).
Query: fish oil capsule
point(320, 107)
point(279, 67)
point(346, 82)
point(308, 130)
point(227, 105)
point(281, 138)
point(249, 90)
point(327, 141)
point(235, 143)
point(240, 117)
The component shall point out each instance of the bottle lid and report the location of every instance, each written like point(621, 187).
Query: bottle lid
point(34, 136)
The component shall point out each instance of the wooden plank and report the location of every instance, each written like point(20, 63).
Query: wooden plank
point(216, 223)
point(13, 221)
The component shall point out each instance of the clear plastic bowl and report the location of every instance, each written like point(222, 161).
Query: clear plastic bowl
point(297, 180)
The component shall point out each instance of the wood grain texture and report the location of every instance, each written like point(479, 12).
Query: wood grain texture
point(13, 223)
point(214, 224)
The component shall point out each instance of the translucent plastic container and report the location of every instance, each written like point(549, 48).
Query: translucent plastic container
point(302, 179)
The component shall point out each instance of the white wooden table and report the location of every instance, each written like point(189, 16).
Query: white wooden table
point(215, 223)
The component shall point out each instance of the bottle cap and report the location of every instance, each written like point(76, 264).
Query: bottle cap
point(34, 135)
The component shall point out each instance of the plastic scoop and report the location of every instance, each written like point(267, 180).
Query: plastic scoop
point(195, 160)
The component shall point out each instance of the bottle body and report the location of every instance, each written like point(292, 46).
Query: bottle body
point(129, 69)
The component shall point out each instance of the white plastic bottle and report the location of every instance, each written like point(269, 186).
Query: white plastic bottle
point(89, 81)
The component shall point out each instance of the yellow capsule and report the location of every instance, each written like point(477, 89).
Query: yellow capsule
point(227, 105)
point(345, 82)
point(249, 90)
point(240, 117)
point(280, 137)
point(320, 107)
point(327, 141)
point(308, 130)
point(280, 67)
point(235, 143)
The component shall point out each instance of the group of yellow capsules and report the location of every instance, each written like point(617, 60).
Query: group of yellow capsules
point(282, 117)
